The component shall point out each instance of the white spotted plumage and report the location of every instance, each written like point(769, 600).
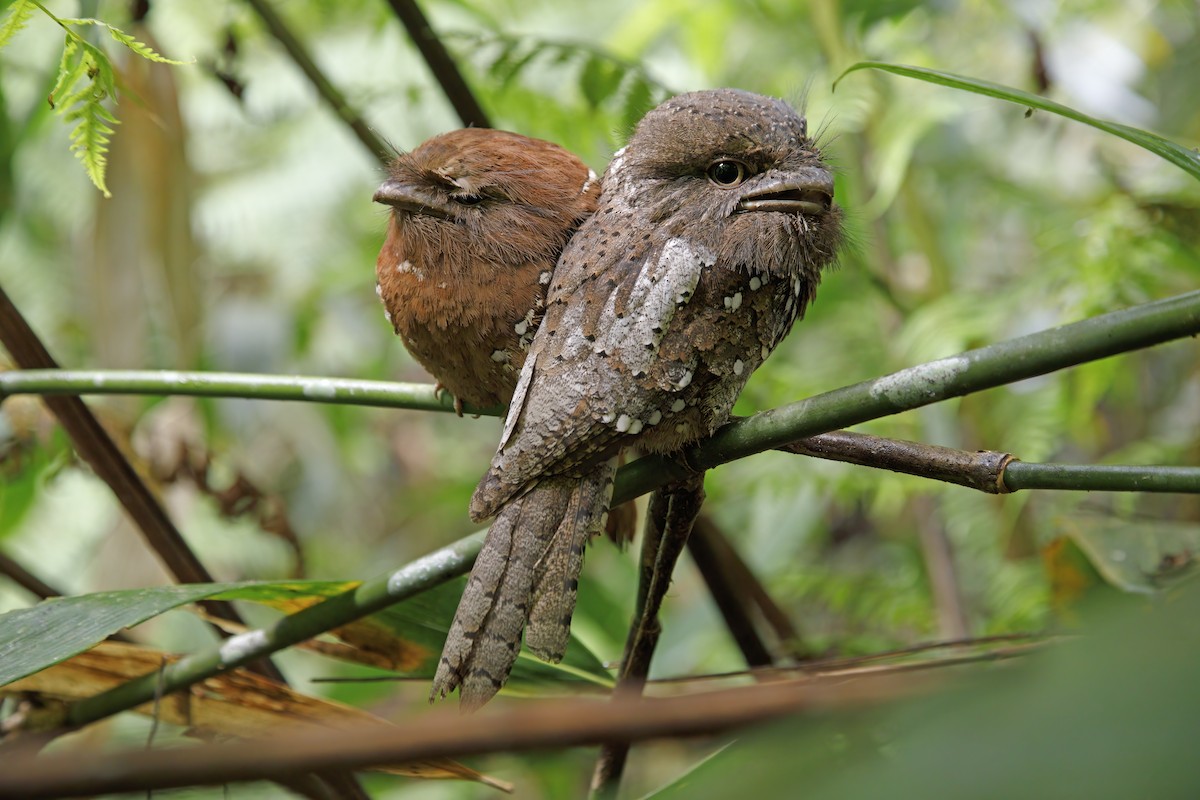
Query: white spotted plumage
point(657, 314)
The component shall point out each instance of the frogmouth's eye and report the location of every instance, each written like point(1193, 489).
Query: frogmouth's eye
point(467, 199)
point(727, 173)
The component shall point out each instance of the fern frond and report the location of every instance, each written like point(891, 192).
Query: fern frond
point(85, 80)
point(71, 68)
point(91, 136)
point(141, 48)
point(18, 15)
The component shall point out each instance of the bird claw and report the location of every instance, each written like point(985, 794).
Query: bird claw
point(680, 457)
point(440, 391)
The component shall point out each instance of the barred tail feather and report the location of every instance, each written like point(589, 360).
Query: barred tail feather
point(486, 633)
point(527, 570)
point(557, 583)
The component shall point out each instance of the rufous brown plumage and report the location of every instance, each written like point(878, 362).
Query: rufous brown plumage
point(478, 219)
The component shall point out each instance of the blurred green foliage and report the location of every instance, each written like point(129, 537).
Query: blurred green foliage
point(241, 236)
point(1102, 716)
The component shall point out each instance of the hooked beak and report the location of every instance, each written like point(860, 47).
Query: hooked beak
point(407, 197)
point(806, 191)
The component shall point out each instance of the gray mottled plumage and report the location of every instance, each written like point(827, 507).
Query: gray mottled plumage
point(661, 306)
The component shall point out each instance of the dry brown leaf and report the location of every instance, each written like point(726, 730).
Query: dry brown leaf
point(235, 704)
point(366, 642)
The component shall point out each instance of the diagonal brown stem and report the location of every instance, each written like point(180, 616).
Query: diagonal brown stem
point(444, 70)
point(26, 579)
point(329, 93)
point(669, 520)
point(706, 544)
point(97, 448)
point(743, 601)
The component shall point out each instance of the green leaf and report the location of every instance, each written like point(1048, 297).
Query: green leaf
point(599, 79)
point(78, 623)
point(85, 80)
point(514, 57)
point(499, 65)
point(639, 99)
point(18, 16)
point(416, 626)
point(1136, 556)
point(141, 48)
point(1177, 154)
point(1106, 715)
point(84, 104)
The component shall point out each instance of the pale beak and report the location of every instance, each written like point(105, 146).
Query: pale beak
point(806, 191)
point(409, 197)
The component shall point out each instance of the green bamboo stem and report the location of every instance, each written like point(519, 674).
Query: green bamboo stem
point(987, 367)
point(1091, 478)
point(1014, 360)
point(975, 370)
point(986, 471)
point(347, 391)
point(371, 596)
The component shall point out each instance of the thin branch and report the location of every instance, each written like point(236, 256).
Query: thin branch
point(989, 470)
point(1090, 478)
point(973, 371)
point(533, 726)
point(344, 391)
point(706, 545)
point(980, 469)
point(838, 665)
point(669, 520)
point(444, 70)
point(987, 367)
point(329, 93)
point(984, 470)
point(26, 579)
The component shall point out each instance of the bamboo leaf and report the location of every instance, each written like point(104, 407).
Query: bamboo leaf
point(1177, 154)
point(408, 634)
point(80, 622)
